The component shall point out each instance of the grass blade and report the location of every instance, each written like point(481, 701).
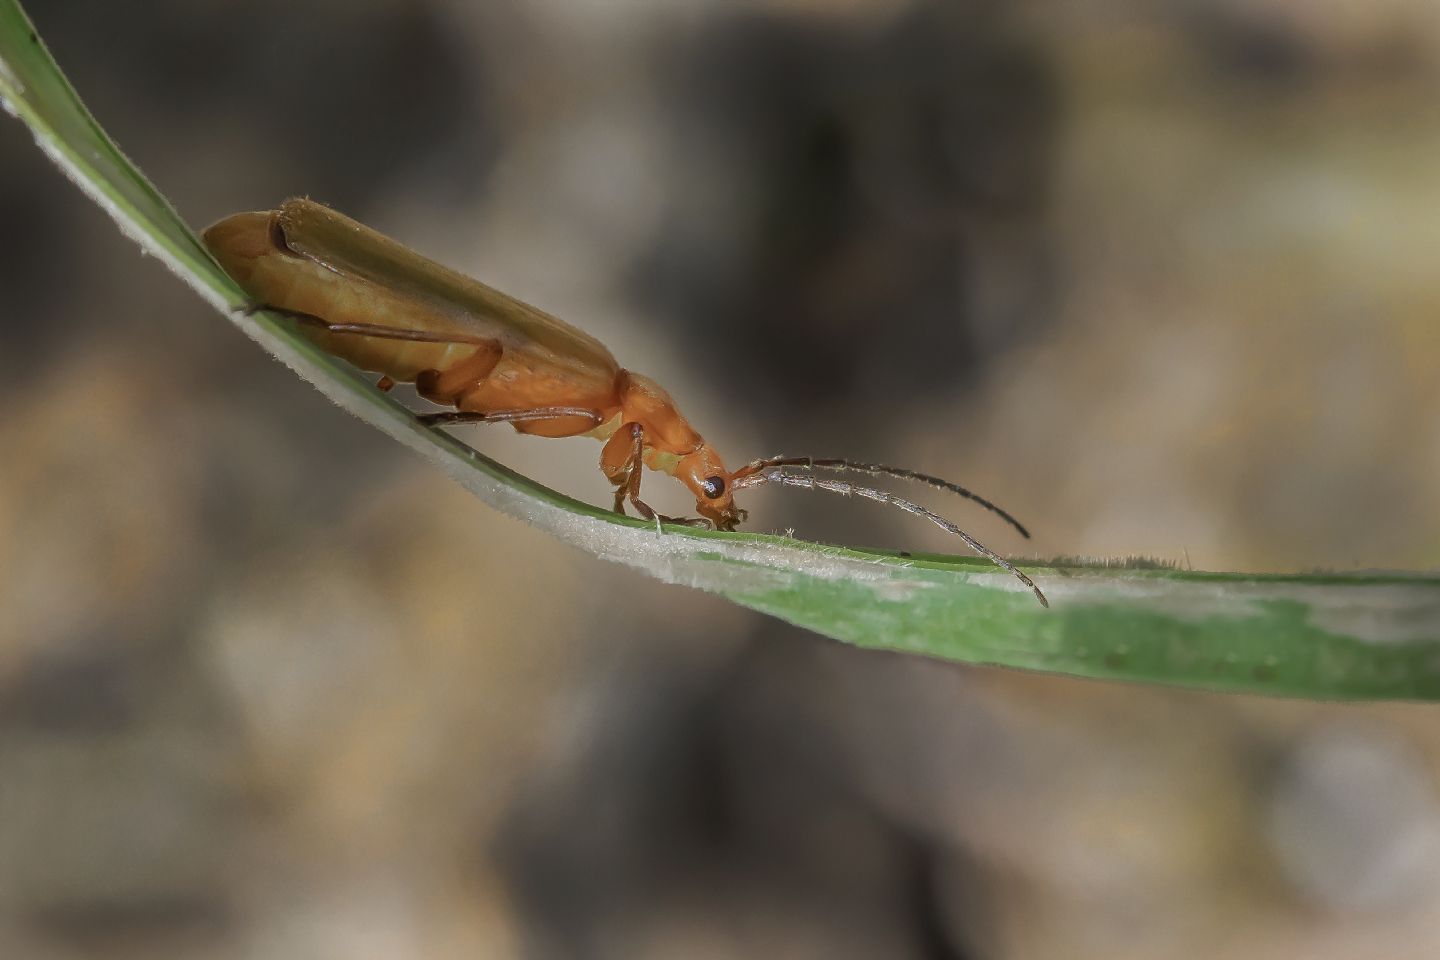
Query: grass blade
point(1334, 637)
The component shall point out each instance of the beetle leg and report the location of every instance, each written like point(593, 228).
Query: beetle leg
point(618, 460)
point(506, 416)
point(633, 472)
point(368, 329)
point(449, 386)
point(622, 461)
point(628, 485)
point(631, 492)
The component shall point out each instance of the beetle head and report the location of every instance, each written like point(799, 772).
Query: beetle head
point(706, 476)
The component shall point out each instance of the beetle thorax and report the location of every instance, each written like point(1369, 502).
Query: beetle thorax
point(667, 432)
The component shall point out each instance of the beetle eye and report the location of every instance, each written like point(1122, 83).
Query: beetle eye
point(713, 486)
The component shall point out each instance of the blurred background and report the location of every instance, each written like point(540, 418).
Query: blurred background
point(1158, 275)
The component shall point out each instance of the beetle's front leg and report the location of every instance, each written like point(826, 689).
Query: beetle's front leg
point(623, 461)
point(621, 456)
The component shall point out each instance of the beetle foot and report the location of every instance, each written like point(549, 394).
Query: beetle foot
point(699, 522)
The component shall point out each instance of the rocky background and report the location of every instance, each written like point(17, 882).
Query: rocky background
point(1159, 275)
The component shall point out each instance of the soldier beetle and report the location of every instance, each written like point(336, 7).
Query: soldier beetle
point(386, 309)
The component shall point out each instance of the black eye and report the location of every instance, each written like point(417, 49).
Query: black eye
point(713, 486)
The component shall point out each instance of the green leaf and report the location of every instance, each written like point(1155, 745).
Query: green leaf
point(1371, 636)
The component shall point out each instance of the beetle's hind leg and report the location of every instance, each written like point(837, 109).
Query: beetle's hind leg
point(462, 375)
point(449, 417)
point(370, 329)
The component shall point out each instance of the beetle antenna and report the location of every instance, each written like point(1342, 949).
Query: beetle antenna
point(881, 470)
point(773, 473)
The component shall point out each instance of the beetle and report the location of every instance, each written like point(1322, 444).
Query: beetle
point(384, 308)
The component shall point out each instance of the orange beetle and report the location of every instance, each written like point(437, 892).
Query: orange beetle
point(382, 307)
